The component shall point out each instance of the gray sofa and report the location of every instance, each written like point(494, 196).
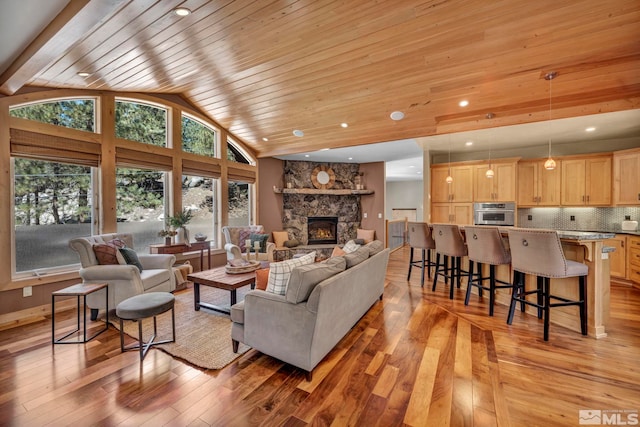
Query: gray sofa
point(323, 302)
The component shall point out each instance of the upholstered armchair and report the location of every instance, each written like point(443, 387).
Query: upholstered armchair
point(235, 237)
point(124, 280)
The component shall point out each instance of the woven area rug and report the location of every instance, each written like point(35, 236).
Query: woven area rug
point(203, 338)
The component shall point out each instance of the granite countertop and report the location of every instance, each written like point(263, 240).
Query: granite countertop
point(585, 235)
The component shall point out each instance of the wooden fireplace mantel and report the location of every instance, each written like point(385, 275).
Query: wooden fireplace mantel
point(335, 192)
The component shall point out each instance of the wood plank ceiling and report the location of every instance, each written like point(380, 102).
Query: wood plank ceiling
point(264, 68)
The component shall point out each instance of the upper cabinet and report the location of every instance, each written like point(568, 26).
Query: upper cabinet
point(538, 186)
point(586, 181)
point(626, 178)
point(500, 188)
point(459, 191)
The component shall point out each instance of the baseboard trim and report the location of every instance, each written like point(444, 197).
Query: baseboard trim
point(33, 314)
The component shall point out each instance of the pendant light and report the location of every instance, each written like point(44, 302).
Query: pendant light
point(449, 178)
point(489, 173)
point(550, 164)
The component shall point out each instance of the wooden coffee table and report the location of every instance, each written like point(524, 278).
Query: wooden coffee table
point(218, 278)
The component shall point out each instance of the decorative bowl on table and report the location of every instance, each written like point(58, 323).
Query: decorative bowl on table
point(242, 267)
point(200, 237)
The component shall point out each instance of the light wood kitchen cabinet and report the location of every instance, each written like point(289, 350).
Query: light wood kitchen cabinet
point(459, 191)
point(536, 185)
point(452, 213)
point(586, 182)
point(618, 258)
point(500, 188)
point(626, 178)
point(634, 258)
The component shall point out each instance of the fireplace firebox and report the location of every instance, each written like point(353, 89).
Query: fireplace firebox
point(322, 230)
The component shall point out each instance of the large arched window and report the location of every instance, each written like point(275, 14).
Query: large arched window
point(198, 138)
point(141, 122)
point(77, 113)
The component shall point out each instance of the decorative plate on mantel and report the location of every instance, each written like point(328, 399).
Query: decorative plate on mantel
point(323, 177)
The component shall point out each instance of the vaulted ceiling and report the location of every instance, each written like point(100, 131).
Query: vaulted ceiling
point(264, 68)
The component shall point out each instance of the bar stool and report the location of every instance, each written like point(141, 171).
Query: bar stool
point(485, 246)
point(539, 252)
point(419, 236)
point(449, 243)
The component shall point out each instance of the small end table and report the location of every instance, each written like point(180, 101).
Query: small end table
point(79, 290)
point(182, 248)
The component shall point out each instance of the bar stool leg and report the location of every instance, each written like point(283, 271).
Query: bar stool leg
point(429, 263)
point(547, 306)
point(422, 271)
point(492, 287)
point(435, 275)
point(410, 263)
point(540, 294)
point(515, 293)
point(469, 284)
point(447, 269)
point(583, 304)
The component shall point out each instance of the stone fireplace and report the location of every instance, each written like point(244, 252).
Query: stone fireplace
point(322, 230)
point(299, 208)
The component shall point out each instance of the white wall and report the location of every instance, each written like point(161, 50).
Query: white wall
point(404, 195)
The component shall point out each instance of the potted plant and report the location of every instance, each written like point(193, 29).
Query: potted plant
point(167, 234)
point(178, 223)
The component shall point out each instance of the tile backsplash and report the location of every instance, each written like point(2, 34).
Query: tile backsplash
point(586, 219)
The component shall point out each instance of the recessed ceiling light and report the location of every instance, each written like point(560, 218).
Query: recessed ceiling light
point(344, 125)
point(468, 143)
point(397, 115)
point(590, 129)
point(83, 74)
point(412, 166)
point(325, 149)
point(298, 133)
point(418, 172)
point(182, 11)
point(265, 139)
point(463, 103)
point(306, 155)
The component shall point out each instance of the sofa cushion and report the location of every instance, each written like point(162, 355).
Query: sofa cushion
point(131, 257)
point(279, 237)
point(337, 251)
point(154, 277)
point(280, 272)
point(262, 278)
point(356, 257)
point(366, 235)
point(350, 246)
point(237, 312)
point(374, 247)
point(305, 278)
point(262, 241)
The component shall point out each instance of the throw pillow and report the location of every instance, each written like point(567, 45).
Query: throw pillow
point(243, 236)
point(304, 279)
point(131, 257)
point(366, 235)
point(291, 243)
point(262, 277)
point(280, 272)
point(279, 237)
point(357, 256)
point(350, 246)
point(106, 254)
point(261, 239)
point(337, 251)
point(375, 247)
point(118, 243)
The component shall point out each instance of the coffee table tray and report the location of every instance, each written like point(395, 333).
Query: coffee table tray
point(252, 266)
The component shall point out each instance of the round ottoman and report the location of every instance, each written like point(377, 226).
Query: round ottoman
point(143, 306)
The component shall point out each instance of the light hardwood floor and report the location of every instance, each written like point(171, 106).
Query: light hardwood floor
point(416, 358)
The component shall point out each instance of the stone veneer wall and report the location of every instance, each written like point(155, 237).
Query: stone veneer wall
point(297, 207)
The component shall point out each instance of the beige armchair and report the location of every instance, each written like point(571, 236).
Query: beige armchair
point(233, 236)
point(124, 280)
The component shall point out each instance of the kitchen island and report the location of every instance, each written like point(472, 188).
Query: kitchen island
point(581, 246)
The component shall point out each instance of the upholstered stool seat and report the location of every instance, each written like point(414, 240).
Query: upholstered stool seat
point(449, 243)
point(140, 307)
point(419, 236)
point(485, 246)
point(539, 252)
